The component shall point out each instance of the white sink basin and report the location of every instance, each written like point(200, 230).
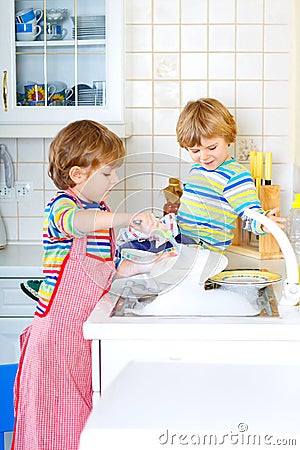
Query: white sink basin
point(198, 302)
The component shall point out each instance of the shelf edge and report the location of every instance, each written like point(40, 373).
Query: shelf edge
point(123, 130)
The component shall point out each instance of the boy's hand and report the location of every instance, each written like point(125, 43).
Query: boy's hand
point(129, 268)
point(144, 222)
point(278, 220)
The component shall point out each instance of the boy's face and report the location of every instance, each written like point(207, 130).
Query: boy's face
point(211, 153)
point(97, 185)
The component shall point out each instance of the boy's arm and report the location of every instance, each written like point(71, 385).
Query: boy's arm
point(129, 268)
point(241, 194)
point(67, 219)
point(87, 220)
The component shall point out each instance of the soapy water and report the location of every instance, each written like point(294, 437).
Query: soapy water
point(218, 302)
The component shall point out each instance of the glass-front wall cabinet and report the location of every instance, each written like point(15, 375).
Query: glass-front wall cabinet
point(64, 61)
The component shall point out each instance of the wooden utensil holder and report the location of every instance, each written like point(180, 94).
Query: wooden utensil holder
point(267, 247)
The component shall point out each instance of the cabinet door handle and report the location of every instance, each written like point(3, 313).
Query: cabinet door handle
point(4, 90)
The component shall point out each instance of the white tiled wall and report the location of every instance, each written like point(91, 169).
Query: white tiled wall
point(177, 50)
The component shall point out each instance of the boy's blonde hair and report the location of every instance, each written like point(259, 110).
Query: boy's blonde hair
point(86, 144)
point(205, 117)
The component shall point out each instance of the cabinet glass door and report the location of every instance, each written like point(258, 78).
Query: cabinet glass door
point(61, 61)
point(60, 58)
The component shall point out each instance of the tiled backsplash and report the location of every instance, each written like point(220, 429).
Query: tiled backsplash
point(177, 50)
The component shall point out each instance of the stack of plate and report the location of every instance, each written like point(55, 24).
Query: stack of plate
point(89, 27)
point(87, 96)
point(99, 97)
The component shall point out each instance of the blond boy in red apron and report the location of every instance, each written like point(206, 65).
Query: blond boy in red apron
point(53, 390)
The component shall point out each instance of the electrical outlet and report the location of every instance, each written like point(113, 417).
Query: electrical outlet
point(5, 192)
point(23, 189)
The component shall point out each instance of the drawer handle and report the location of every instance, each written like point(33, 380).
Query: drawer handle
point(4, 90)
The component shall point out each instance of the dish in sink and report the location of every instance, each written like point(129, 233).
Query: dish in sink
point(259, 278)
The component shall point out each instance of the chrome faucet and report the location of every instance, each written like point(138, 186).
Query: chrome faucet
point(8, 166)
point(291, 288)
point(9, 181)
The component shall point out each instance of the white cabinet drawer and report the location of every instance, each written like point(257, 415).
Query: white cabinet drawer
point(13, 302)
point(10, 330)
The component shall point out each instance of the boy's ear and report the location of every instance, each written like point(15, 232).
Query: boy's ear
point(76, 174)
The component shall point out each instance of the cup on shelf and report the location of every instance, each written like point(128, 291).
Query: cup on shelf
point(61, 94)
point(21, 97)
point(54, 32)
point(21, 85)
point(28, 15)
point(27, 31)
point(35, 93)
point(21, 100)
point(99, 92)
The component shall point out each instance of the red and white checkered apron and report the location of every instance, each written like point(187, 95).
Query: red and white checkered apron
point(53, 388)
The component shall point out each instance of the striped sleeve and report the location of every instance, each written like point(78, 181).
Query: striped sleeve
point(213, 199)
point(61, 217)
point(240, 193)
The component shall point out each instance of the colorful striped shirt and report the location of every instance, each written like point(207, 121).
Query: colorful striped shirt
point(58, 234)
point(213, 199)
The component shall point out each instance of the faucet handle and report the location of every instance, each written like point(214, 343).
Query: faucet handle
point(246, 223)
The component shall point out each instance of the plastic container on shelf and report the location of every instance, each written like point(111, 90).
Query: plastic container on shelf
point(293, 228)
point(172, 193)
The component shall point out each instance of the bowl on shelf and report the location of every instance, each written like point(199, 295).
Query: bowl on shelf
point(56, 15)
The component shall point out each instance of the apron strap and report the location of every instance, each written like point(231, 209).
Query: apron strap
point(78, 248)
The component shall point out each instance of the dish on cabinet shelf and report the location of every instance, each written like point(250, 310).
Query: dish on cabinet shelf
point(89, 27)
point(56, 55)
point(61, 43)
point(56, 15)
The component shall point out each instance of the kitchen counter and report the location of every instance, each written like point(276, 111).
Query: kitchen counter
point(21, 259)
